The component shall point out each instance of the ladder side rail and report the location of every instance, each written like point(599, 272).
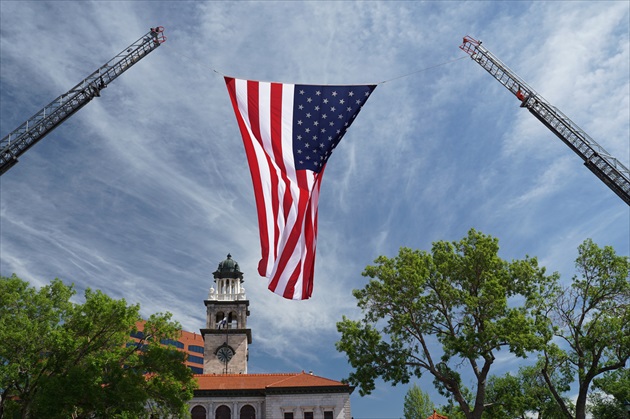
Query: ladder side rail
point(533, 101)
point(60, 109)
point(139, 48)
point(575, 135)
point(560, 126)
point(9, 155)
point(578, 132)
point(36, 120)
point(489, 61)
point(494, 66)
point(610, 170)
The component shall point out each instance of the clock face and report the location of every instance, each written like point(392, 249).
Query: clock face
point(224, 354)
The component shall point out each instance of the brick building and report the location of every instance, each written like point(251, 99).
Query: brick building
point(189, 342)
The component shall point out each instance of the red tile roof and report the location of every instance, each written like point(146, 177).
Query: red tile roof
point(300, 381)
point(265, 381)
point(436, 415)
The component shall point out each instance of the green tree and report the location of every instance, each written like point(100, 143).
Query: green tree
point(60, 359)
point(612, 395)
point(505, 398)
point(462, 296)
point(451, 410)
point(417, 405)
point(591, 324)
point(29, 322)
point(524, 395)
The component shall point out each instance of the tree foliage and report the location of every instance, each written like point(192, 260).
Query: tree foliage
point(60, 359)
point(611, 395)
point(417, 405)
point(591, 323)
point(461, 295)
point(524, 395)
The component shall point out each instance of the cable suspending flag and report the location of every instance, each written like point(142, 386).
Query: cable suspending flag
point(289, 132)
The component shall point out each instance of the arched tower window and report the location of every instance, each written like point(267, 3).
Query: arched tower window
point(233, 320)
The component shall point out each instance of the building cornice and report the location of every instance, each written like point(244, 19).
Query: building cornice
point(273, 391)
point(222, 332)
point(225, 302)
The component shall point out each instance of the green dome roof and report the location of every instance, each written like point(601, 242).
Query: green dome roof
point(228, 269)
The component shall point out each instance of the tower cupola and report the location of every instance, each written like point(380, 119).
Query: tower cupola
point(228, 278)
point(228, 269)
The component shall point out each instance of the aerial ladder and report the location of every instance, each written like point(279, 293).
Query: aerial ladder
point(52, 115)
point(607, 168)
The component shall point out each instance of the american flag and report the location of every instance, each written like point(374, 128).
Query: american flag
point(289, 132)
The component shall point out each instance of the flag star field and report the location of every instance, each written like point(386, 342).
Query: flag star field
point(320, 120)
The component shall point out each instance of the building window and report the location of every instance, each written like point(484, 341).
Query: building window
point(248, 412)
point(328, 414)
point(195, 359)
point(137, 334)
point(223, 412)
point(175, 343)
point(198, 412)
point(141, 346)
point(195, 348)
point(308, 415)
point(288, 415)
point(197, 370)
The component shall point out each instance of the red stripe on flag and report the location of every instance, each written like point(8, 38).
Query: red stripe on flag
point(297, 244)
point(275, 132)
point(293, 245)
point(270, 117)
point(252, 109)
point(310, 238)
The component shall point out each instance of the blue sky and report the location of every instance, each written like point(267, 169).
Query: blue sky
point(145, 190)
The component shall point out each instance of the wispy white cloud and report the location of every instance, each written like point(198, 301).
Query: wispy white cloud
point(146, 189)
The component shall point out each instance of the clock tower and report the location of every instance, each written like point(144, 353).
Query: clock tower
point(226, 337)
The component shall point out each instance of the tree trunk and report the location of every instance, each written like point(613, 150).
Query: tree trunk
point(3, 397)
point(580, 402)
point(554, 392)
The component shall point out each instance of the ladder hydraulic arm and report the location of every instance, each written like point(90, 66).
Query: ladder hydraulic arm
point(607, 168)
point(39, 125)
